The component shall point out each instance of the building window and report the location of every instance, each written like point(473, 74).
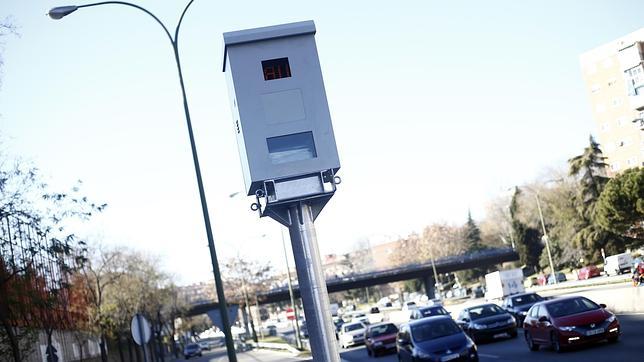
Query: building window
point(612, 81)
point(620, 121)
point(630, 162)
point(616, 102)
point(615, 166)
point(634, 80)
point(595, 88)
point(604, 127)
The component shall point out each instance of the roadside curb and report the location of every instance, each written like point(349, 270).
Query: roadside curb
point(546, 288)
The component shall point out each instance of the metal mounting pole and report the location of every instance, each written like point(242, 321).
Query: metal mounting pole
point(547, 240)
point(312, 284)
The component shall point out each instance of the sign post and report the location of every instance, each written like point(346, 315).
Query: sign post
point(141, 332)
point(287, 150)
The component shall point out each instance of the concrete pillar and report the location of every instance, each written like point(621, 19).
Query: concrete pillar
point(429, 286)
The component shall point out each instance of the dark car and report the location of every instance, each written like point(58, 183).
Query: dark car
point(561, 277)
point(518, 305)
point(191, 350)
point(431, 311)
point(569, 321)
point(487, 321)
point(434, 339)
point(337, 322)
point(380, 338)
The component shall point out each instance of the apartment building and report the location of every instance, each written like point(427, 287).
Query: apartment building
point(614, 79)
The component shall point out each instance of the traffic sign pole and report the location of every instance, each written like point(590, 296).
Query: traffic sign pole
point(141, 336)
point(312, 284)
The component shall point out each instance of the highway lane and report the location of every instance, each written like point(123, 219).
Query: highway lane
point(629, 348)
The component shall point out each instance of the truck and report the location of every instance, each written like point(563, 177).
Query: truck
point(502, 283)
point(618, 264)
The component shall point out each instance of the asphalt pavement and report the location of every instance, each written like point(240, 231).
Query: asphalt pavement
point(219, 355)
point(630, 347)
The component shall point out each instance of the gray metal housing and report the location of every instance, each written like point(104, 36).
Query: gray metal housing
point(265, 109)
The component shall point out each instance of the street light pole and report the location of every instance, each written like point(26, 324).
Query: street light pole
point(545, 235)
point(62, 11)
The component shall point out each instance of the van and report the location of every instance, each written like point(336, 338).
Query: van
point(618, 264)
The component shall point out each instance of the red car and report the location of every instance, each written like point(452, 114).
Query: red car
point(380, 338)
point(569, 321)
point(588, 272)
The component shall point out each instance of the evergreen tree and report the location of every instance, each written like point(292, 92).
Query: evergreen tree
point(589, 170)
point(528, 239)
point(620, 207)
point(472, 241)
point(472, 234)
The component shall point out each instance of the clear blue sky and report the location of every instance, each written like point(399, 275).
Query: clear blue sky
point(437, 107)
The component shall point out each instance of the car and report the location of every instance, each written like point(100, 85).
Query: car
point(204, 345)
point(380, 338)
point(477, 292)
point(337, 322)
point(191, 350)
point(588, 272)
point(304, 330)
point(409, 305)
point(519, 304)
point(430, 311)
point(351, 334)
point(569, 321)
point(434, 339)
point(487, 321)
point(561, 277)
point(270, 330)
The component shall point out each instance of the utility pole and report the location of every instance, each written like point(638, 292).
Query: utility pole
point(546, 239)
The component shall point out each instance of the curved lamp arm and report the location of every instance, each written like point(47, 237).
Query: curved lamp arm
point(62, 11)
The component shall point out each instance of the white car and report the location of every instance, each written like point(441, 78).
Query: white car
point(409, 305)
point(351, 334)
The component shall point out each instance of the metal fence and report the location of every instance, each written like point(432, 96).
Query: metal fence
point(35, 272)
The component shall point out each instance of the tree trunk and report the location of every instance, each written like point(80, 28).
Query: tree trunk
point(15, 346)
point(103, 349)
point(50, 347)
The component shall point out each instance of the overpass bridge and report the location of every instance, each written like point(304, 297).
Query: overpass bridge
point(422, 271)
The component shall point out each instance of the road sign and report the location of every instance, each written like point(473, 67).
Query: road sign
point(140, 329)
point(290, 314)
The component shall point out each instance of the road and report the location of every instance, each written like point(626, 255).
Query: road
point(629, 348)
point(219, 355)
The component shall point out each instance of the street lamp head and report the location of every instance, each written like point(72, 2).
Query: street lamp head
point(60, 12)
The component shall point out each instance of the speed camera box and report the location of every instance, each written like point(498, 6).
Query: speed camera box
point(280, 111)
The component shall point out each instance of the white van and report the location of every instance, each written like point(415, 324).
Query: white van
point(618, 264)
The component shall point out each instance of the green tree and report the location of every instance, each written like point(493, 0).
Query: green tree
point(473, 243)
point(527, 239)
point(589, 171)
point(620, 208)
point(472, 235)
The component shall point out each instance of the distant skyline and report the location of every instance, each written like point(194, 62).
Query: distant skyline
point(437, 108)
